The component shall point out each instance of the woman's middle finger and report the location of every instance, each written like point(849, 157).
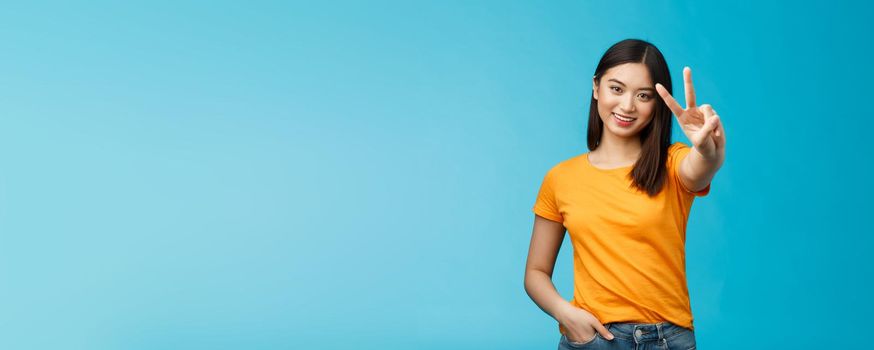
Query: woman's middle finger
point(690, 90)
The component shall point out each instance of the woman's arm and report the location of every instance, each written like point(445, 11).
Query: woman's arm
point(581, 325)
point(546, 241)
point(704, 129)
point(696, 170)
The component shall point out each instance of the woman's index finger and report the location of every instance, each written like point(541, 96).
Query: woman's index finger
point(669, 100)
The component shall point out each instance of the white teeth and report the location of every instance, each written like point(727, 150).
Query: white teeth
point(623, 118)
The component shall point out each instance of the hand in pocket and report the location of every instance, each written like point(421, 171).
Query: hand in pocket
point(582, 326)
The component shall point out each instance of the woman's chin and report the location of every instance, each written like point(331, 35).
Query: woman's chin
point(622, 131)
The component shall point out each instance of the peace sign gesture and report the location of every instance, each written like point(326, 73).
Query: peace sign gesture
point(701, 124)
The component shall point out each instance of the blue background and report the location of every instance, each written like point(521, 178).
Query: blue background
point(238, 175)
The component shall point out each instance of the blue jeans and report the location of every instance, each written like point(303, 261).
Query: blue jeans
point(637, 336)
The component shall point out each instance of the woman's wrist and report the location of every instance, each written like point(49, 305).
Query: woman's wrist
point(562, 310)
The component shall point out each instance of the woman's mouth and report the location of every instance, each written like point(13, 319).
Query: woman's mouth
point(623, 120)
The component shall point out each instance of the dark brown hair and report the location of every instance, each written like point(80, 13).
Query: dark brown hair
point(649, 171)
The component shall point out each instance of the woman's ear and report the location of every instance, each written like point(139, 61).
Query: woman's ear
point(595, 88)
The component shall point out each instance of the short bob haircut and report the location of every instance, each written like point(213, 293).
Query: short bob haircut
point(650, 170)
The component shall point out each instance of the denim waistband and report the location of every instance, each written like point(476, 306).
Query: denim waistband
point(644, 331)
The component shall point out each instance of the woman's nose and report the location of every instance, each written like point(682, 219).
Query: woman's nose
point(627, 105)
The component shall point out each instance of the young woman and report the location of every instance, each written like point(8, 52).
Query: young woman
point(625, 204)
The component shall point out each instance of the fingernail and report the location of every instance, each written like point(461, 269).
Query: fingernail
point(610, 337)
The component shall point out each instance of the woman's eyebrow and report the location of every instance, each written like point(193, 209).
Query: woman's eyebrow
point(623, 84)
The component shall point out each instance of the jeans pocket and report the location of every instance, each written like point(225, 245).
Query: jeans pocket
point(580, 345)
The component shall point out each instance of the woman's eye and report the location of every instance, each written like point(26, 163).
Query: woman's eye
point(645, 96)
point(616, 89)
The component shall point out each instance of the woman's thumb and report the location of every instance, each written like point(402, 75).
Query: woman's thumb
point(604, 332)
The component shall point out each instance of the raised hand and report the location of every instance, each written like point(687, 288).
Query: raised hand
point(701, 124)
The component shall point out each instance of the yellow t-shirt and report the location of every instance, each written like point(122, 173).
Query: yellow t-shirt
point(629, 249)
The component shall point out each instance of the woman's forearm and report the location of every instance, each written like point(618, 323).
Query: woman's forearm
point(538, 285)
point(702, 168)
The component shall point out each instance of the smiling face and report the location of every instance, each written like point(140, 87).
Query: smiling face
point(626, 99)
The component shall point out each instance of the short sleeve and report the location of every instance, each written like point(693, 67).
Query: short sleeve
point(678, 152)
point(545, 205)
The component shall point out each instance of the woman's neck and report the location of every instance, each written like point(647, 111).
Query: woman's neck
point(617, 150)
